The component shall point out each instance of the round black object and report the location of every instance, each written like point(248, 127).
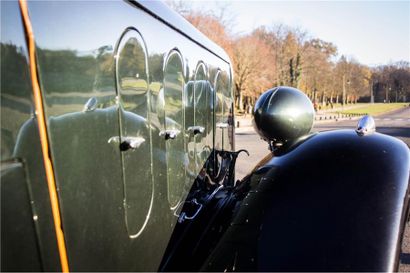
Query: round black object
point(283, 114)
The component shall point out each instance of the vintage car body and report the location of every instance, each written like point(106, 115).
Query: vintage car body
point(133, 169)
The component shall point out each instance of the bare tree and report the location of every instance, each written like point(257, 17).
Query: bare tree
point(280, 55)
point(253, 64)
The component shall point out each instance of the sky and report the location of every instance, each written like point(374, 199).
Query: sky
point(372, 32)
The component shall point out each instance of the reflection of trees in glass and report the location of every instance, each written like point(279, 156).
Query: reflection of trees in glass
point(15, 99)
point(155, 64)
point(224, 84)
point(64, 71)
point(223, 109)
point(222, 95)
point(69, 78)
point(132, 62)
point(14, 74)
point(132, 74)
point(174, 82)
point(155, 67)
point(103, 79)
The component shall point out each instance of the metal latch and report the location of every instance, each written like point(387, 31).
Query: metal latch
point(196, 130)
point(169, 134)
point(127, 142)
point(190, 210)
point(222, 125)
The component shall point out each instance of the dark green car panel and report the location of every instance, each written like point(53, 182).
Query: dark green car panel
point(117, 83)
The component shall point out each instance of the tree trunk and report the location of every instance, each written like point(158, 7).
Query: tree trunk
point(240, 103)
point(298, 70)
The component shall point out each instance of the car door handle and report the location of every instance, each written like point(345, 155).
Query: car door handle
point(170, 134)
point(222, 125)
point(127, 143)
point(196, 130)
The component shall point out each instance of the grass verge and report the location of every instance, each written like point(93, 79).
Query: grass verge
point(375, 109)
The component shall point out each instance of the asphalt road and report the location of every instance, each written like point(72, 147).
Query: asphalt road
point(396, 124)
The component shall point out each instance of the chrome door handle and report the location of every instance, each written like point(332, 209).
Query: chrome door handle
point(170, 134)
point(196, 130)
point(222, 125)
point(127, 142)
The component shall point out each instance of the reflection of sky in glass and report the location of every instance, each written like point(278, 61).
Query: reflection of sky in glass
point(372, 31)
point(9, 22)
point(103, 27)
point(88, 27)
point(56, 31)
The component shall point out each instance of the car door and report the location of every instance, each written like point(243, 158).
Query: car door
point(203, 116)
point(173, 132)
point(223, 112)
point(134, 141)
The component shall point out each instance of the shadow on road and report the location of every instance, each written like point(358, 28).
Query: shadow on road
point(391, 131)
point(394, 131)
point(245, 133)
point(405, 258)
